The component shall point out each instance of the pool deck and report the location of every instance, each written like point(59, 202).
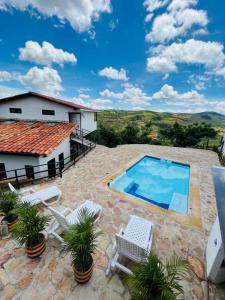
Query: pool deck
point(50, 277)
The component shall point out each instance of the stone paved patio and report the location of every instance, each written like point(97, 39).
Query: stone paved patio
point(50, 277)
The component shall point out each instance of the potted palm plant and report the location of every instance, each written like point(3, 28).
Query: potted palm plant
point(81, 242)
point(154, 280)
point(8, 203)
point(29, 229)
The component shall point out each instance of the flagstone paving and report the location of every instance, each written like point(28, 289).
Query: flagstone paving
point(51, 277)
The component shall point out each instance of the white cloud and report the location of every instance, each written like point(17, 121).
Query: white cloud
point(208, 54)
point(131, 94)
point(181, 4)
point(84, 96)
point(98, 103)
point(200, 31)
point(80, 14)
point(221, 72)
point(175, 23)
point(200, 86)
point(46, 80)
point(6, 76)
point(113, 24)
point(115, 74)
point(160, 64)
point(152, 5)
point(6, 91)
point(168, 92)
point(149, 17)
point(45, 54)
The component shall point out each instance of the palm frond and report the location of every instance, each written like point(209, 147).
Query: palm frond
point(154, 280)
point(80, 240)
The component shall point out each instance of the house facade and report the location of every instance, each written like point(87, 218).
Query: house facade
point(36, 107)
point(38, 133)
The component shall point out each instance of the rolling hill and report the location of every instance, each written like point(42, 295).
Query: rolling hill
point(119, 119)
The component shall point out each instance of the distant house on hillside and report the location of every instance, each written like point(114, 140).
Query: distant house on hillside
point(38, 133)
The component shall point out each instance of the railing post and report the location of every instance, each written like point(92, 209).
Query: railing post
point(60, 169)
point(82, 135)
point(17, 180)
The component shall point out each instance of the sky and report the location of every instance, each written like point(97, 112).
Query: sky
point(160, 55)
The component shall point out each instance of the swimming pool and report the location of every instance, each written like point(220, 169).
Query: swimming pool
point(160, 182)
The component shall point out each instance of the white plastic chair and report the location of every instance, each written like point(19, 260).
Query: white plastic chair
point(133, 242)
point(67, 217)
point(36, 197)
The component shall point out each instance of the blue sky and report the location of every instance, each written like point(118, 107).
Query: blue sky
point(163, 55)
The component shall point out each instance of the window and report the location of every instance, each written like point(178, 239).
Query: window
point(95, 117)
point(2, 171)
point(51, 168)
point(48, 112)
point(61, 160)
point(14, 110)
point(29, 171)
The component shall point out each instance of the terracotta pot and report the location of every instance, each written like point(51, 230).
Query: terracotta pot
point(12, 224)
point(37, 250)
point(83, 277)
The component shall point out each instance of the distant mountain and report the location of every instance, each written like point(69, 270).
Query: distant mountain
point(119, 119)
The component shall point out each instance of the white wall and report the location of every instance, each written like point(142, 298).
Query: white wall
point(88, 120)
point(13, 162)
point(32, 110)
point(64, 147)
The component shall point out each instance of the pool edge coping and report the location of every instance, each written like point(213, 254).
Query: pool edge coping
point(193, 218)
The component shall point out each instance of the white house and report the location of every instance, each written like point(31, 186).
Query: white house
point(37, 107)
point(37, 133)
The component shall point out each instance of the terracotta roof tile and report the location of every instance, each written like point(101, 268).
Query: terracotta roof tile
point(38, 138)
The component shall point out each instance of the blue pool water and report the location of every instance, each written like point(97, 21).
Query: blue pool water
point(160, 182)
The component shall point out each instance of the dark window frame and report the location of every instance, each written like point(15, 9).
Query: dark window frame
point(29, 170)
point(3, 174)
point(15, 110)
point(51, 168)
point(48, 112)
point(61, 160)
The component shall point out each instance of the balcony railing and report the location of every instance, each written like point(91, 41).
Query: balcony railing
point(22, 176)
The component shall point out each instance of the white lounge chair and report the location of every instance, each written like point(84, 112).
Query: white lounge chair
point(36, 197)
point(67, 217)
point(133, 242)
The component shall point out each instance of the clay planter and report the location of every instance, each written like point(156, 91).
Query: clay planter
point(35, 251)
point(83, 277)
point(11, 224)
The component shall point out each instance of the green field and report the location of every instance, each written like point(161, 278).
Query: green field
point(119, 119)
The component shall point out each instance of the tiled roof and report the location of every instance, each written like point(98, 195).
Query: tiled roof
point(38, 138)
point(48, 98)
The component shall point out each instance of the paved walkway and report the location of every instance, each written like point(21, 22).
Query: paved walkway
point(50, 277)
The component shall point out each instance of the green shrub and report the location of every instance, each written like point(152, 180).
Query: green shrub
point(30, 226)
point(8, 202)
point(151, 280)
point(81, 241)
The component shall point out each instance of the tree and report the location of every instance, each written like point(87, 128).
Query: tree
point(145, 133)
point(187, 136)
point(108, 136)
point(131, 134)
